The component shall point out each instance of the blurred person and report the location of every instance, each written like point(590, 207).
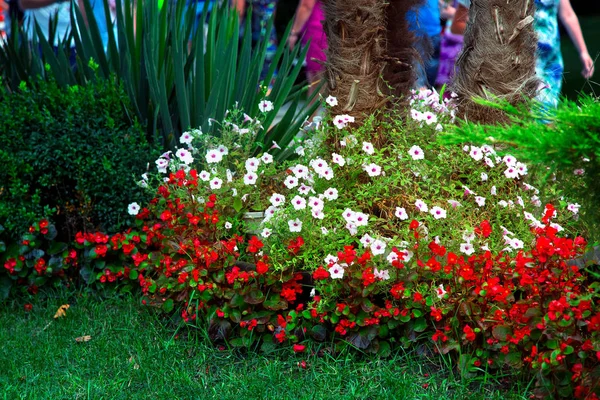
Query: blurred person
point(425, 23)
point(451, 44)
point(262, 12)
point(308, 25)
point(42, 12)
point(549, 62)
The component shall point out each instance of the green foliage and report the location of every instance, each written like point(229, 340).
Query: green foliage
point(70, 154)
point(175, 77)
point(564, 140)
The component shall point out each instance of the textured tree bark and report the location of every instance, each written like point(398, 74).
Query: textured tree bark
point(370, 53)
point(498, 57)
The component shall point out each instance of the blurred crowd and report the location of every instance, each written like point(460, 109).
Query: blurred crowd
point(439, 26)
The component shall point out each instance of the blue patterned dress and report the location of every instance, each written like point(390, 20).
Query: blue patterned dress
point(549, 66)
point(262, 12)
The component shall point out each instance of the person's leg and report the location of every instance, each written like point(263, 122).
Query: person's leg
point(431, 69)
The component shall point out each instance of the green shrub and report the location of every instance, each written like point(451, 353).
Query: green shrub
point(70, 155)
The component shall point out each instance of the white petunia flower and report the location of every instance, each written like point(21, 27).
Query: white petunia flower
point(511, 173)
point(228, 225)
point(265, 106)
point(476, 153)
point(454, 203)
point(493, 191)
point(133, 208)
point(315, 203)
point(573, 207)
point(480, 201)
point(277, 199)
point(337, 159)
point(489, 162)
point(332, 101)
point(223, 150)
point(250, 178)
point(368, 148)
point(300, 171)
point(401, 213)
point(295, 225)
point(509, 160)
point(361, 219)
point(186, 138)
point(429, 117)
point(440, 292)
point(266, 158)
point(331, 194)
point(336, 272)
point(366, 240)
point(299, 203)
point(384, 274)
point(516, 243)
point(421, 206)
point(290, 182)
point(324, 231)
point(266, 232)
point(372, 169)
point(204, 175)
point(252, 164)
point(216, 183)
point(330, 259)
point(161, 165)
point(214, 156)
point(317, 213)
point(484, 176)
point(468, 237)
point(378, 247)
point(185, 156)
point(304, 189)
point(467, 248)
point(437, 212)
point(416, 153)
point(341, 121)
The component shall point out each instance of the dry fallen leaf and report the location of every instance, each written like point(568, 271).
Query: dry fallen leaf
point(85, 338)
point(62, 311)
point(135, 365)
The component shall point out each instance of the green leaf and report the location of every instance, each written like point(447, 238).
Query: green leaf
point(237, 204)
point(500, 332)
point(384, 349)
point(5, 285)
point(254, 297)
point(275, 302)
point(319, 333)
point(237, 301)
point(419, 325)
point(168, 305)
point(56, 247)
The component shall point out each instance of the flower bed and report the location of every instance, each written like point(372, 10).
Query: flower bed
point(372, 236)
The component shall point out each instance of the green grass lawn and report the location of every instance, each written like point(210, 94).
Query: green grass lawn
point(133, 354)
point(574, 82)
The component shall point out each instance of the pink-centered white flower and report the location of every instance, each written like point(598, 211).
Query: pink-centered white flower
point(429, 118)
point(214, 156)
point(315, 203)
point(438, 212)
point(484, 177)
point(300, 171)
point(336, 272)
point(331, 194)
point(277, 199)
point(290, 182)
point(454, 203)
point(573, 207)
point(266, 232)
point(266, 158)
point(295, 225)
point(372, 169)
point(317, 213)
point(416, 153)
point(368, 148)
point(331, 101)
point(184, 156)
point(366, 240)
point(133, 208)
point(509, 160)
point(383, 275)
point(299, 203)
point(488, 161)
point(161, 165)
point(401, 213)
point(480, 201)
point(361, 219)
point(467, 248)
point(223, 150)
point(421, 206)
point(511, 173)
point(476, 153)
point(216, 183)
point(250, 178)
point(304, 189)
point(378, 247)
point(337, 159)
point(252, 164)
point(265, 106)
point(341, 121)
point(186, 138)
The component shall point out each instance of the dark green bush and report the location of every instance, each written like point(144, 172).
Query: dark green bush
point(70, 155)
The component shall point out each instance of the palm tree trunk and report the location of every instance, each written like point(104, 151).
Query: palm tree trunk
point(363, 70)
point(498, 57)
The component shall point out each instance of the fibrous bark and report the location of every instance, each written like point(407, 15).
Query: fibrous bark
point(370, 53)
point(498, 57)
